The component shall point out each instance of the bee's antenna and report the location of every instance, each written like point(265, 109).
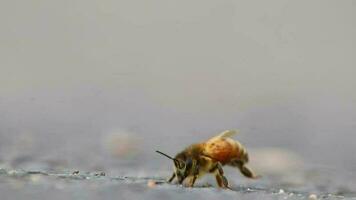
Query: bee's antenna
point(166, 155)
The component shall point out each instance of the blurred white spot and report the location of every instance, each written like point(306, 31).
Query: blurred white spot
point(274, 160)
point(313, 197)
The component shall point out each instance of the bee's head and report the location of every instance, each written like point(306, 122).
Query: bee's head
point(182, 168)
point(183, 165)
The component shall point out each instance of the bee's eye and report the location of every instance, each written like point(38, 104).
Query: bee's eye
point(189, 163)
point(181, 165)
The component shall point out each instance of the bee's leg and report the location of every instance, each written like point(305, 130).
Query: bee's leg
point(195, 175)
point(192, 181)
point(172, 177)
point(247, 172)
point(219, 173)
point(222, 181)
point(220, 178)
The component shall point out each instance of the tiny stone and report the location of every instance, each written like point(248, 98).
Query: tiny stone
point(281, 191)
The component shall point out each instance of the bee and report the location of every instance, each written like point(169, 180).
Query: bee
point(209, 157)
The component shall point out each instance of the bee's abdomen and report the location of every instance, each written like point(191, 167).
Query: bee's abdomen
point(224, 150)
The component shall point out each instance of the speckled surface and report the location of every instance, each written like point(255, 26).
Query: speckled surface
point(20, 184)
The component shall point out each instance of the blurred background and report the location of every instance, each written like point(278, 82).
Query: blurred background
point(100, 85)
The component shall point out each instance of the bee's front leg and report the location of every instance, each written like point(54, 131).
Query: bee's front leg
point(172, 177)
point(195, 175)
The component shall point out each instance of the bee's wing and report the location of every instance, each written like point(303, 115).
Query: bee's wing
point(228, 133)
point(224, 134)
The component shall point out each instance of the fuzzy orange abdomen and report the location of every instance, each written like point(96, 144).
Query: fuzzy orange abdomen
point(223, 149)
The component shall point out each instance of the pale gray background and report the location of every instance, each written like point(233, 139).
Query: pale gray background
point(75, 73)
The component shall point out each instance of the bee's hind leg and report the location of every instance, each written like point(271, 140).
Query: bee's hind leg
point(247, 172)
point(219, 176)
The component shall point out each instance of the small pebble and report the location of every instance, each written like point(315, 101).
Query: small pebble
point(151, 184)
point(281, 191)
point(100, 174)
point(313, 197)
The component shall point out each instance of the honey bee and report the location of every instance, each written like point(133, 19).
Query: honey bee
point(209, 157)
